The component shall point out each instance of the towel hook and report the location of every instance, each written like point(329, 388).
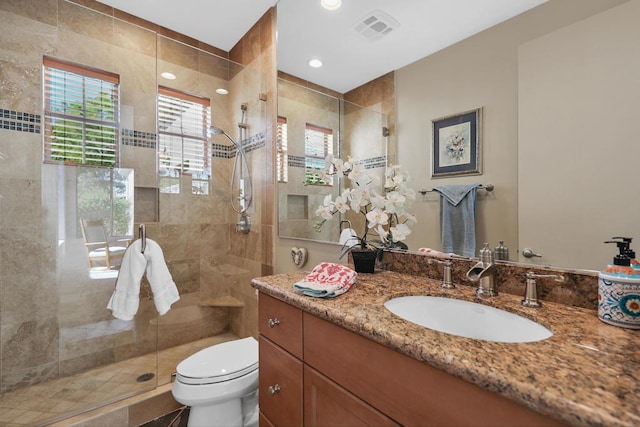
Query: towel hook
point(347, 221)
point(142, 235)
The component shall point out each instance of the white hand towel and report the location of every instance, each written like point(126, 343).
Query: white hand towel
point(348, 238)
point(126, 297)
point(164, 289)
point(125, 300)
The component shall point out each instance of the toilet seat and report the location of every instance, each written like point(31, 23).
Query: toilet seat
point(219, 363)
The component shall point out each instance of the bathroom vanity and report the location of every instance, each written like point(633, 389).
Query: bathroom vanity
point(349, 361)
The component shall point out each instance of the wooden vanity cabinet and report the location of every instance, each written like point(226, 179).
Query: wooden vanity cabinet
point(340, 378)
point(280, 362)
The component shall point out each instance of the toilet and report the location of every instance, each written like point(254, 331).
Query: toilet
point(220, 385)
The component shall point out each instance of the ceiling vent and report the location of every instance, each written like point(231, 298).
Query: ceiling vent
point(375, 25)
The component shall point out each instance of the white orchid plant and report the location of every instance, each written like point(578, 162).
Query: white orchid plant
point(384, 205)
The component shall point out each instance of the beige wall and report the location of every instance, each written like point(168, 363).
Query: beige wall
point(578, 97)
point(481, 71)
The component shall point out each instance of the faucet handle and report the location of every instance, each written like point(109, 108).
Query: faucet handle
point(556, 277)
point(446, 274)
point(531, 290)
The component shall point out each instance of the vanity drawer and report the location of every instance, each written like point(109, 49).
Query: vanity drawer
point(280, 385)
point(281, 323)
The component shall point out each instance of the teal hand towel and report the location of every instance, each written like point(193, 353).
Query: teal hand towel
point(458, 218)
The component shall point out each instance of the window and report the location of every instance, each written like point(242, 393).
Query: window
point(318, 144)
point(282, 159)
point(183, 140)
point(80, 114)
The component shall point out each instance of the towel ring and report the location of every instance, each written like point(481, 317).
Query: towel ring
point(142, 235)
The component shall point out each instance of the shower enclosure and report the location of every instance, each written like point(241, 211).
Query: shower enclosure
point(62, 352)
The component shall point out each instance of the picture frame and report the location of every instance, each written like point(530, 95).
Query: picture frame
point(457, 144)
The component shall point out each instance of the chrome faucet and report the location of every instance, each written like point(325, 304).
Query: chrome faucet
point(446, 274)
point(483, 273)
point(531, 291)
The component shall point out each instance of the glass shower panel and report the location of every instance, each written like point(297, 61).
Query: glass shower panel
point(62, 350)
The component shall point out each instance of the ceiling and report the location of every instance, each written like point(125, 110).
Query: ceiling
point(306, 30)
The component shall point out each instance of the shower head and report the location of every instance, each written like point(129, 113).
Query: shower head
point(215, 130)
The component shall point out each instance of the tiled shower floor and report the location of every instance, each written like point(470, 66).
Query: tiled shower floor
point(91, 389)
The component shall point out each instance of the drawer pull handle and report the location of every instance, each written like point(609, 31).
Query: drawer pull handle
point(273, 390)
point(273, 322)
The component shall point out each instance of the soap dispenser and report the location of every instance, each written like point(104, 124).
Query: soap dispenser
point(630, 252)
point(619, 289)
point(501, 252)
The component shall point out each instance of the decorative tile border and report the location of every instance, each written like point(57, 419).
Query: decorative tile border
point(28, 122)
point(372, 163)
point(137, 138)
point(375, 162)
point(254, 142)
point(20, 121)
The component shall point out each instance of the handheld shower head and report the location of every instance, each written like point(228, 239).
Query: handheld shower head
point(215, 130)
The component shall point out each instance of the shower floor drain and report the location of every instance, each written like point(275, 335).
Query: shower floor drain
point(145, 377)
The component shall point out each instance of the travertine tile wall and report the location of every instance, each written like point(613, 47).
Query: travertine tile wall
point(49, 307)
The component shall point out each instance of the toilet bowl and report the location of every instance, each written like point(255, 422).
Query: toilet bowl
point(220, 385)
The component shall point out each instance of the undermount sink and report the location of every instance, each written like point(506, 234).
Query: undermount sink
point(467, 319)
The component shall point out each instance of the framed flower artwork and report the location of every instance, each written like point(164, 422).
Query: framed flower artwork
point(457, 143)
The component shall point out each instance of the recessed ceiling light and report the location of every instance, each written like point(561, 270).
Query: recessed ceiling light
point(167, 75)
point(315, 63)
point(222, 91)
point(331, 4)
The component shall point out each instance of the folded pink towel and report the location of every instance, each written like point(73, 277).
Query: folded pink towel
point(434, 253)
point(327, 280)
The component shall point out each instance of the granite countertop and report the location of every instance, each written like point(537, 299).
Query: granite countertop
point(587, 373)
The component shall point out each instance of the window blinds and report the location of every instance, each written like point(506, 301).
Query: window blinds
point(318, 144)
point(183, 123)
point(81, 114)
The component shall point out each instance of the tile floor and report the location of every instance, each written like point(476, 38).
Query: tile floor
point(54, 400)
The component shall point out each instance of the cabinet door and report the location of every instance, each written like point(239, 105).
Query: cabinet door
point(264, 421)
point(281, 323)
point(328, 404)
point(280, 385)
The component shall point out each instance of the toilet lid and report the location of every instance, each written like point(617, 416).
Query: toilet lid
point(220, 362)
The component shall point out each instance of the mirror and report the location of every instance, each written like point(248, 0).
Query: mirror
point(596, 106)
point(311, 125)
